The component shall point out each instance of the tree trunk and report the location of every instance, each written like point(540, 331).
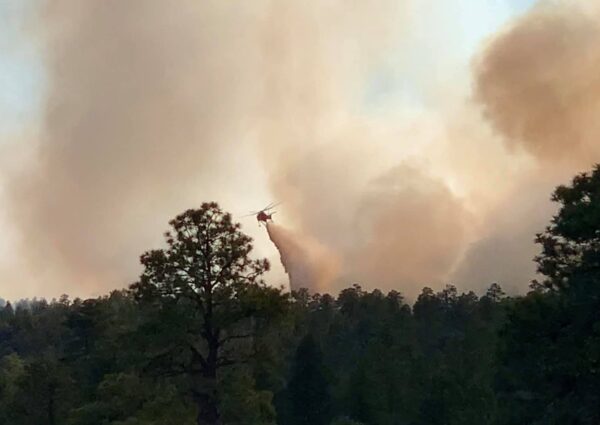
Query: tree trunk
point(51, 412)
point(208, 414)
point(207, 402)
point(208, 407)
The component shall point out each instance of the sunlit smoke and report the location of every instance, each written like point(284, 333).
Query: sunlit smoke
point(152, 109)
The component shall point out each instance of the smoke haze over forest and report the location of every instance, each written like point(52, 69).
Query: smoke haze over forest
point(400, 159)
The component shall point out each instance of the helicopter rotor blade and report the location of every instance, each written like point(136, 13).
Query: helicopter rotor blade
point(272, 205)
point(250, 214)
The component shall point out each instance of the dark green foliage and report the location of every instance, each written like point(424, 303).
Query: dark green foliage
point(125, 398)
point(308, 388)
point(242, 403)
point(206, 302)
point(345, 421)
point(200, 339)
point(570, 258)
point(551, 355)
point(364, 357)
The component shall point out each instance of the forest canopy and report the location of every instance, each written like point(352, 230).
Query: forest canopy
point(200, 338)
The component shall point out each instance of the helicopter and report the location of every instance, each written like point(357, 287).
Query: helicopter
point(266, 214)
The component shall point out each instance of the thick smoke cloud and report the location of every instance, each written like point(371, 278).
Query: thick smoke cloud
point(406, 229)
point(342, 181)
point(505, 246)
point(539, 82)
point(151, 109)
point(410, 231)
point(141, 97)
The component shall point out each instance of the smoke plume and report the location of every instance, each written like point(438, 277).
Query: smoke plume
point(141, 97)
point(539, 82)
point(150, 109)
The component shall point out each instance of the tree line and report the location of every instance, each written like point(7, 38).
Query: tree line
point(200, 338)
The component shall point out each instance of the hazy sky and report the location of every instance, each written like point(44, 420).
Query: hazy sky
point(366, 123)
point(22, 68)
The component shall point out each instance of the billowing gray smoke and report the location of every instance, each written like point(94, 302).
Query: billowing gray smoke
point(152, 108)
point(141, 98)
point(539, 84)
